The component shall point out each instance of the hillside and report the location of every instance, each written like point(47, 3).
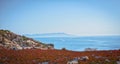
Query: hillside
point(16, 49)
point(37, 56)
point(11, 40)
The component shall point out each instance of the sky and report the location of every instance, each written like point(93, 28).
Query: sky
point(78, 17)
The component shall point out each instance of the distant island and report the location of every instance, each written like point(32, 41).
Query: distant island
point(50, 35)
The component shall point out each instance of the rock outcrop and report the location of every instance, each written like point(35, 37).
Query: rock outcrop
point(11, 40)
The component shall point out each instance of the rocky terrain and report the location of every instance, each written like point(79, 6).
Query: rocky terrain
point(16, 49)
point(11, 40)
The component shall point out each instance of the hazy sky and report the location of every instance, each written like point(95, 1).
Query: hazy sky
point(80, 17)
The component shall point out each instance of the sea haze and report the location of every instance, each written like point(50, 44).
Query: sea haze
point(80, 43)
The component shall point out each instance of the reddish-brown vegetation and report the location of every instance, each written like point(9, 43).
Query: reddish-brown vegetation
point(36, 56)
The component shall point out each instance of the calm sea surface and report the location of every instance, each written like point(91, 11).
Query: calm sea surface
point(80, 43)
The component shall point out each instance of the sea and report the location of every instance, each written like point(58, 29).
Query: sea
point(83, 42)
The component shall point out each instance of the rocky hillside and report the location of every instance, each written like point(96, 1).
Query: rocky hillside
point(11, 40)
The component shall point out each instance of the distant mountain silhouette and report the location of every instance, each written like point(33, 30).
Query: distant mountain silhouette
point(50, 35)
